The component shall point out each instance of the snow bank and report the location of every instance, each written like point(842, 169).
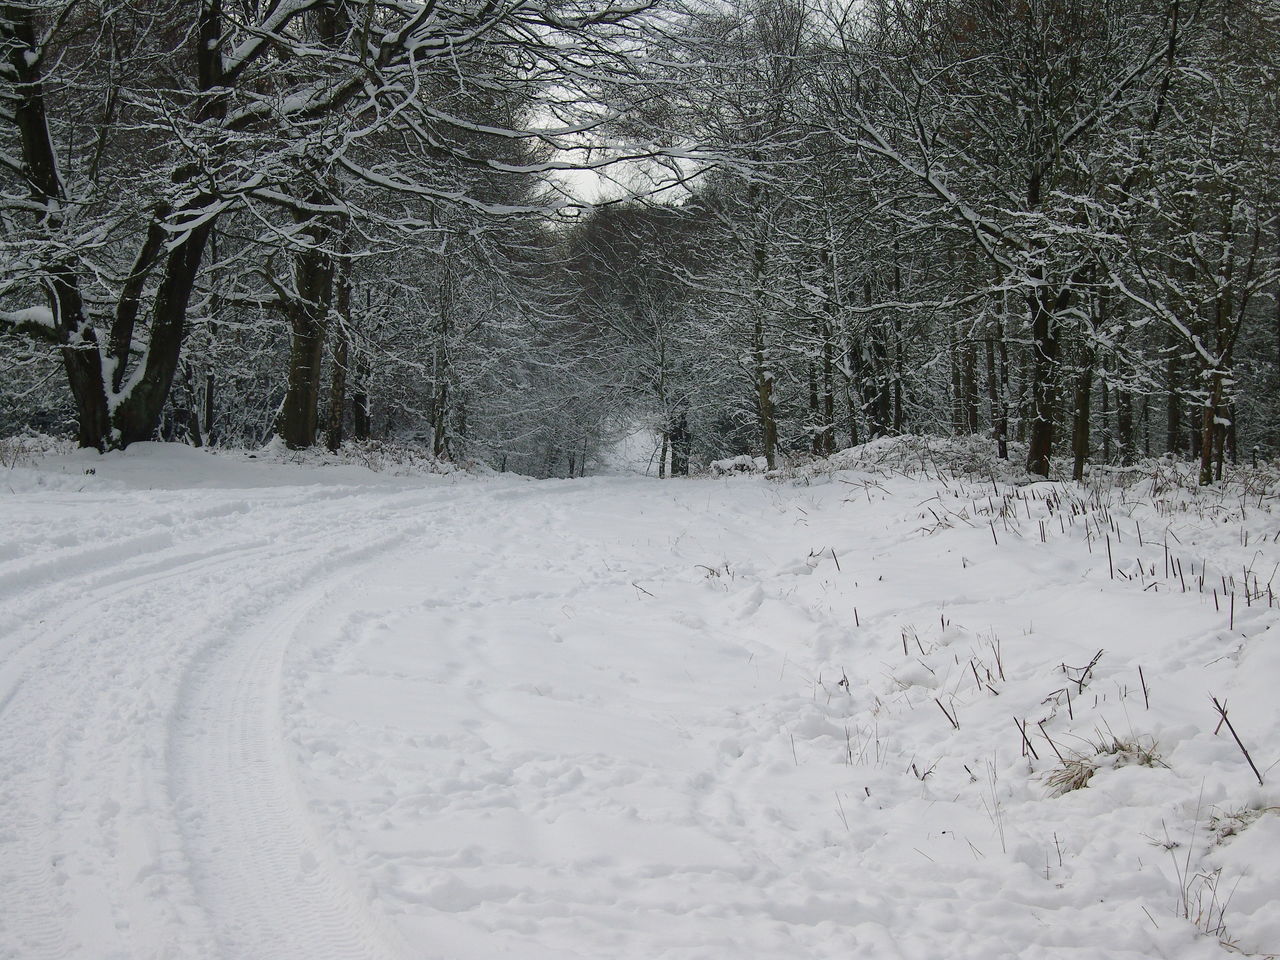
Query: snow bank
point(40, 464)
point(738, 464)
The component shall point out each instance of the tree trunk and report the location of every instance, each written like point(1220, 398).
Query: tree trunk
point(969, 378)
point(1004, 389)
point(442, 364)
point(138, 411)
point(761, 362)
point(210, 408)
point(995, 398)
point(822, 404)
point(1081, 414)
point(1146, 426)
point(299, 416)
point(341, 354)
point(440, 419)
point(832, 330)
point(1276, 318)
point(360, 415)
point(1105, 414)
point(815, 426)
point(84, 374)
point(1023, 405)
point(337, 395)
point(1209, 427)
point(884, 387)
point(1044, 368)
point(1195, 417)
point(828, 392)
point(360, 420)
point(1173, 402)
point(853, 412)
point(1124, 425)
point(768, 416)
point(681, 444)
point(192, 408)
point(869, 359)
point(957, 401)
point(899, 353)
point(761, 368)
point(360, 399)
point(341, 357)
point(308, 313)
point(1230, 433)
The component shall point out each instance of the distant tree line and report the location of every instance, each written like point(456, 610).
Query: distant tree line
point(1047, 222)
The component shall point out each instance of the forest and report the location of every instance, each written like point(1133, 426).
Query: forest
point(639, 479)
point(515, 230)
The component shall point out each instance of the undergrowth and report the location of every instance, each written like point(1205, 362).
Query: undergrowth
point(27, 448)
point(395, 457)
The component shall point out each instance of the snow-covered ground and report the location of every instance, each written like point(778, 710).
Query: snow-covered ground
point(266, 711)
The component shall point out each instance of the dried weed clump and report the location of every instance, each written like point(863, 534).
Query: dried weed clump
point(1078, 767)
point(1228, 823)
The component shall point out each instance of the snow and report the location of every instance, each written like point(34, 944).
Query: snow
point(260, 709)
point(29, 316)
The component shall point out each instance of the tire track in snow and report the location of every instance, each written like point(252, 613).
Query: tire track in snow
point(49, 687)
point(88, 829)
point(108, 557)
point(269, 883)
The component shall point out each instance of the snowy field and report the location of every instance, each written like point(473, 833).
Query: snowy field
point(261, 711)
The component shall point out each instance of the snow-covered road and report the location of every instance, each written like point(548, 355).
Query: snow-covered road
point(262, 712)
